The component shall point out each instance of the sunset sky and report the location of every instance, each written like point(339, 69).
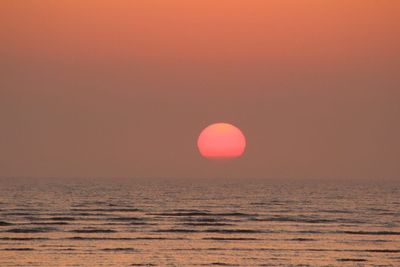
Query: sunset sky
point(123, 88)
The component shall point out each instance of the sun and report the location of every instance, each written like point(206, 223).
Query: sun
point(220, 141)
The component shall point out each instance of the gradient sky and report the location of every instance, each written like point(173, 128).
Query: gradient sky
point(123, 88)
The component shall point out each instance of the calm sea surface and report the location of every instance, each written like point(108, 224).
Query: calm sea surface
point(120, 223)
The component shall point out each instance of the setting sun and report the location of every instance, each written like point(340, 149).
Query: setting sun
point(221, 140)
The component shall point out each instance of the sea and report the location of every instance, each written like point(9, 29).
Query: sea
point(160, 222)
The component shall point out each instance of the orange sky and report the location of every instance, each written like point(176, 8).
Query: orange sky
point(123, 88)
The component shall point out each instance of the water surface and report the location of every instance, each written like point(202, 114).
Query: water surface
point(117, 222)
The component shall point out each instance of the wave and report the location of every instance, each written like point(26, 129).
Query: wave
point(301, 219)
point(32, 230)
point(221, 231)
point(3, 223)
point(107, 210)
point(90, 203)
point(207, 224)
point(118, 249)
point(18, 214)
point(57, 218)
point(204, 213)
point(370, 232)
point(121, 238)
point(24, 238)
point(205, 219)
point(236, 214)
point(17, 249)
point(90, 214)
point(308, 232)
point(61, 218)
point(318, 250)
point(139, 223)
point(221, 264)
point(92, 231)
point(336, 211)
point(271, 203)
point(63, 249)
point(301, 239)
point(21, 209)
point(45, 217)
point(233, 231)
point(190, 210)
point(125, 219)
point(351, 260)
point(192, 213)
point(383, 250)
point(231, 238)
point(48, 223)
point(176, 231)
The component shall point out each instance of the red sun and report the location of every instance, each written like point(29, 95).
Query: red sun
point(221, 140)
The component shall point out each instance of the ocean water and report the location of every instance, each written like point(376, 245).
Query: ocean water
point(93, 222)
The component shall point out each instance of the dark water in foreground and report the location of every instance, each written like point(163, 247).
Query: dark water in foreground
point(120, 223)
